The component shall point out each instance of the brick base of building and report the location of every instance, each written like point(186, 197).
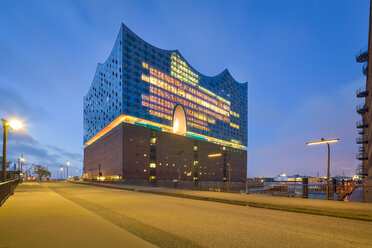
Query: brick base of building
point(133, 152)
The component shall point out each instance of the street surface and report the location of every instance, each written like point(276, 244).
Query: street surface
point(178, 222)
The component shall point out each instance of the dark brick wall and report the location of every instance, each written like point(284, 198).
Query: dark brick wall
point(126, 151)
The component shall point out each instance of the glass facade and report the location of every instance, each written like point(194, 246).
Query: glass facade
point(142, 84)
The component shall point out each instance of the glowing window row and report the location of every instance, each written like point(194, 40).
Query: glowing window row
point(187, 104)
point(192, 119)
point(156, 107)
point(164, 77)
point(200, 116)
point(182, 93)
point(159, 101)
point(180, 70)
point(234, 125)
point(161, 115)
point(234, 114)
point(198, 126)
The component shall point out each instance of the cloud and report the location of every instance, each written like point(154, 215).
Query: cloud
point(11, 101)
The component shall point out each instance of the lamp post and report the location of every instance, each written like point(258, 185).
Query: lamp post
point(14, 126)
point(228, 164)
point(20, 166)
point(67, 165)
point(323, 141)
point(179, 168)
point(61, 169)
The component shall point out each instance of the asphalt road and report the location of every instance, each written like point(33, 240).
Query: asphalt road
point(177, 222)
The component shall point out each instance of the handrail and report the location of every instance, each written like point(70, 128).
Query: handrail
point(7, 189)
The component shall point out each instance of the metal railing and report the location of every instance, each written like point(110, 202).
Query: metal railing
point(361, 140)
point(7, 189)
point(361, 124)
point(365, 69)
point(361, 108)
point(348, 192)
point(362, 55)
point(362, 92)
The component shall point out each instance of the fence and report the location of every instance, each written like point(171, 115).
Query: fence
point(7, 189)
point(351, 191)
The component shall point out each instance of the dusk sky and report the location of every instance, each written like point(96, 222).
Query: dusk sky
point(298, 58)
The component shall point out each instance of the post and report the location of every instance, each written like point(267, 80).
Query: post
point(328, 171)
point(5, 128)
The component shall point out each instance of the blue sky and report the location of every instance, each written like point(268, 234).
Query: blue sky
point(297, 56)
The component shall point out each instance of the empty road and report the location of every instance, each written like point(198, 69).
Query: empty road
point(177, 222)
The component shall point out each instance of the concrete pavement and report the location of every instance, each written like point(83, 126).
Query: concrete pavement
point(180, 222)
point(348, 210)
point(35, 216)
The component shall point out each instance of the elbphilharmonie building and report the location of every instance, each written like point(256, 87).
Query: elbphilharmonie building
point(149, 115)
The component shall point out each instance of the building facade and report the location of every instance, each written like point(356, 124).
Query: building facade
point(364, 154)
point(156, 94)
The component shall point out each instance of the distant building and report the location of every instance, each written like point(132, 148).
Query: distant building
point(364, 124)
point(149, 115)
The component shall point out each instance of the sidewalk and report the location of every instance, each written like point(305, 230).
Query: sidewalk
point(37, 217)
point(348, 210)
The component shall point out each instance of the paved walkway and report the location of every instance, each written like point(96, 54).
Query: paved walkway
point(349, 210)
point(35, 216)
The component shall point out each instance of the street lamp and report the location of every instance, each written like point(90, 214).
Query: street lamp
point(229, 164)
point(14, 125)
point(67, 165)
point(61, 169)
point(323, 141)
point(20, 166)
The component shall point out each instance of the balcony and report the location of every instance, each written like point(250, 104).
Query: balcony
point(362, 131)
point(361, 140)
point(365, 69)
point(361, 124)
point(361, 156)
point(362, 55)
point(362, 170)
point(362, 92)
point(361, 108)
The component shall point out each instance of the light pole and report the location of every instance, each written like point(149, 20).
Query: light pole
point(323, 141)
point(179, 168)
point(14, 126)
point(228, 164)
point(61, 169)
point(20, 166)
point(67, 165)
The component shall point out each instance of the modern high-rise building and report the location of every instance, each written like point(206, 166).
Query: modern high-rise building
point(149, 115)
point(365, 123)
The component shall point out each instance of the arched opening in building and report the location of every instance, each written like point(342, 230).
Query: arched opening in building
point(179, 120)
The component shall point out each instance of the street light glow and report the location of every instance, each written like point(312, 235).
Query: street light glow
point(68, 163)
point(322, 142)
point(15, 125)
point(214, 155)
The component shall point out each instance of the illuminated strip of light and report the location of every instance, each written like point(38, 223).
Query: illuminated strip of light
point(214, 155)
point(322, 142)
point(234, 125)
point(164, 128)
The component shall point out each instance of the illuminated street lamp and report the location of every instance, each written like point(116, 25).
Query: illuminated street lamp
point(20, 165)
point(229, 164)
point(67, 165)
point(61, 169)
point(323, 141)
point(13, 125)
